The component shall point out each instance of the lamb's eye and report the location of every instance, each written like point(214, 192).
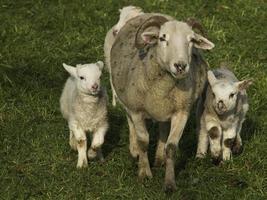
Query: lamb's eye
point(81, 77)
point(231, 95)
point(162, 39)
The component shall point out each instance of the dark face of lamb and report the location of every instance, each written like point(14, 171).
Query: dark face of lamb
point(175, 41)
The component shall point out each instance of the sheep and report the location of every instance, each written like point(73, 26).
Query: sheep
point(126, 13)
point(158, 73)
point(83, 104)
point(221, 113)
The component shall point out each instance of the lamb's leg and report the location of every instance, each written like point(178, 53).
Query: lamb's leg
point(80, 137)
point(72, 141)
point(215, 135)
point(132, 139)
point(142, 141)
point(237, 146)
point(228, 141)
point(97, 142)
point(164, 129)
point(203, 141)
point(178, 122)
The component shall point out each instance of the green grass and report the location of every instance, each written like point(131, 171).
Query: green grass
point(36, 162)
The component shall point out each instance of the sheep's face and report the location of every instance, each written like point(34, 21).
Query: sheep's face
point(225, 93)
point(126, 13)
point(87, 77)
point(175, 41)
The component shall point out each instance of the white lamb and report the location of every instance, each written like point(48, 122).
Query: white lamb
point(83, 104)
point(126, 13)
point(222, 111)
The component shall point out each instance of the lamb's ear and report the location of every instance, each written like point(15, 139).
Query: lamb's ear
point(100, 64)
point(72, 70)
point(243, 85)
point(211, 78)
point(201, 42)
point(120, 10)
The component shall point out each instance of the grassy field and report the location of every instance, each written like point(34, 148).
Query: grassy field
point(36, 162)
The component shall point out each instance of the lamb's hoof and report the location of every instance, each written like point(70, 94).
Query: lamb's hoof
point(83, 164)
point(144, 173)
point(200, 155)
point(217, 160)
point(237, 149)
point(92, 154)
point(159, 162)
point(170, 186)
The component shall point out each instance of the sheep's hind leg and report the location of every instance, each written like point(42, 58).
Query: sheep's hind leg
point(142, 141)
point(164, 129)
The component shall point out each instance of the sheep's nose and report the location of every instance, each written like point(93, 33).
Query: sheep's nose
point(95, 86)
point(180, 66)
point(115, 32)
point(221, 105)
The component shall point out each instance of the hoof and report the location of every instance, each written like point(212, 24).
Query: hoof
point(159, 162)
point(217, 161)
point(237, 149)
point(200, 155)
point(144, 173)
point(83, 164)
point(170, 186)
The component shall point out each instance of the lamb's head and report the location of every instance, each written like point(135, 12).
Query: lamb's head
point(225, 93)
point(173, 41)
point(126, 13)
point(87, 76)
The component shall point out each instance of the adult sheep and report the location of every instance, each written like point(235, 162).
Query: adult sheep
point(158, 73)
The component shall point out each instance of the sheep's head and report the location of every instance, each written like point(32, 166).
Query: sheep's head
point(126, 13)
point(225, 93)
point(174, 41)
point(87, 76)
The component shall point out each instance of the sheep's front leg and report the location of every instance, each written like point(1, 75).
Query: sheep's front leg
point(132, 139)
point(228, 141)
point(80, 137)
point(178, 122)
point(142, 141)
point(164, 129)
point(97, 142)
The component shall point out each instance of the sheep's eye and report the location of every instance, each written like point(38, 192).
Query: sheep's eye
point(81, 77)
point(213, 94)
point(231, 95)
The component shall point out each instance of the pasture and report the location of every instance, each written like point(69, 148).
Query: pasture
point(36, 161)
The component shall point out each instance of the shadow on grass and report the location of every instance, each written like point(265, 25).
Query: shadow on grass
point(116, 122)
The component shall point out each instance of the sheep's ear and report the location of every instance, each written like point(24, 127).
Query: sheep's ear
point(100, 64)
point(211, 78)
point(201, 42)
point(243, 85)
point(150, 36)
point(72, 70)
point(120, 10)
